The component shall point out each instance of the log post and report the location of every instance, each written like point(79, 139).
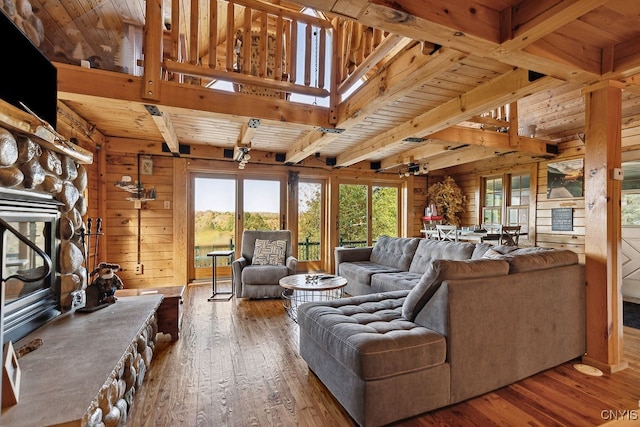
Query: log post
point(603, 265)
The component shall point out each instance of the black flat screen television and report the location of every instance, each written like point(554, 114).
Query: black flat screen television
point(26, 75)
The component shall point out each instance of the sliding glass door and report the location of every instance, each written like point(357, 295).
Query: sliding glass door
point(311, 221)
point(214, 222)
point(261, 204)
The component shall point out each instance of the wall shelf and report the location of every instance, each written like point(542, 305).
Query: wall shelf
point(140, 193)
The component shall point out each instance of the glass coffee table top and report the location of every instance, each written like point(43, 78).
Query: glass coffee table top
point(301, 288)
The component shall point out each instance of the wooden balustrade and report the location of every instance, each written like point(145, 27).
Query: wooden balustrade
point(278, 50)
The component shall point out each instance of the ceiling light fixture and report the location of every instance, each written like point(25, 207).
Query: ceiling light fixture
point(241, 155)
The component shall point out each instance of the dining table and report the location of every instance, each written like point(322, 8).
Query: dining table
point(465, 235)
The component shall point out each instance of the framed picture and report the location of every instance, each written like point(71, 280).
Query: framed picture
point(565, 179)
point(10, 376)
point(146, 166)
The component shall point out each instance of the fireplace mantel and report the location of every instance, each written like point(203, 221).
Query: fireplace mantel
point(14, 119)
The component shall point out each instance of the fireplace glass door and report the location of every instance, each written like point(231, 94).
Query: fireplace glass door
point(28, 275)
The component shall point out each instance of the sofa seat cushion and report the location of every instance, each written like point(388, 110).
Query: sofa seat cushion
point(440, 270)
point(263, 274)
point(369, 337)
point(361, 271)
point(396, 252)
point(403, 280)
point(429, 249)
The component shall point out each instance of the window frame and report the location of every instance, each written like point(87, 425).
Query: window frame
point(506, 208)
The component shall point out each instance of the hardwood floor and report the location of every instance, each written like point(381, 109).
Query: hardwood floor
point(237, 364)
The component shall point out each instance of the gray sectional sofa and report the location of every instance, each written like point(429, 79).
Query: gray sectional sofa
point(460, 320)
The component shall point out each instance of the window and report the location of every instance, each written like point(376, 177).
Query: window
point(513, 199)
point(310, 219)
point(518, 208)
point(367, 211)
point(492, 206)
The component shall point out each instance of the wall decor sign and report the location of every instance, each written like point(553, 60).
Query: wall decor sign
point(562, 219)
point(10, 376)
point(146, 166)
point(565, 179)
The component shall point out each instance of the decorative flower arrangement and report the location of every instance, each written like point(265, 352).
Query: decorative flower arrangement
point(448, 198)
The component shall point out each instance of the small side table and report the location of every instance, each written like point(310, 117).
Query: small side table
point(214, 284)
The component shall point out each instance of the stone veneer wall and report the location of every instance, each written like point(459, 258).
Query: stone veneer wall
point(25, 165)
point(116, 396)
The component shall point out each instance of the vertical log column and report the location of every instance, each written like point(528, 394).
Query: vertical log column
point(603, 233)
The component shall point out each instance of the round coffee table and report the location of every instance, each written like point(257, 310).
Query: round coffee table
point(301, 288)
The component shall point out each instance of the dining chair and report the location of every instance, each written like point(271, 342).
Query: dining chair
point(447, 232)
point(510, 235)
point(494, 233)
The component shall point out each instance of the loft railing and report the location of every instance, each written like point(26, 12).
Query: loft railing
point(262, 48)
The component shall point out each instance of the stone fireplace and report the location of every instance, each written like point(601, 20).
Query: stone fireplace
point(42, 202)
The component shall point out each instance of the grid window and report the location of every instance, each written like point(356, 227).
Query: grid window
point(492, 209)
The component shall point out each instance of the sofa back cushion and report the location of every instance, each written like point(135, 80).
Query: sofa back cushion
point(438, 249)
point(440, 270)
point(396, 252)
point(521, 262)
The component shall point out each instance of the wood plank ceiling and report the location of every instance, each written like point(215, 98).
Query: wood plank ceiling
point(488, 53)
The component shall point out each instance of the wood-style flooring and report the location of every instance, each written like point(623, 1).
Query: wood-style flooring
point(237, 364)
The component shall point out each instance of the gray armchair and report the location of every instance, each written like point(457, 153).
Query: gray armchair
point(261, 281)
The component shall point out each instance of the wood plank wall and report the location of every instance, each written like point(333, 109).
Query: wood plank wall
point(142, 235)
point(152, 241)
point(469, 177)
point(155, 240)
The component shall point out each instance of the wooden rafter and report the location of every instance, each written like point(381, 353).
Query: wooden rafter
point(247, 132)
point(512, 37)
point(503, 89)
point(163, 121)
point(394, 81)
point(494, 142)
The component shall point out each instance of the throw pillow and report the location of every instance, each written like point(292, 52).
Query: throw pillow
point(269, 252)
point(440, 270)
point(491, 254)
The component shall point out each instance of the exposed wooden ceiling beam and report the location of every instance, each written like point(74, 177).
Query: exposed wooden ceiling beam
point(75, 83)
point(622, 60)
point(312, 142)
point(163, 121)
point(481, 30)
point(502, 90)
point(389, 43)
point(460, 156)
point(392, 82)
point(396, 80)
point(497, 141)
point(247, 132)
point(445, 141)
point(532, 20)
point(424, 151)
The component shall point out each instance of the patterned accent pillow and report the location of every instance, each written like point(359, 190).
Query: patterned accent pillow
point(269, 252)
